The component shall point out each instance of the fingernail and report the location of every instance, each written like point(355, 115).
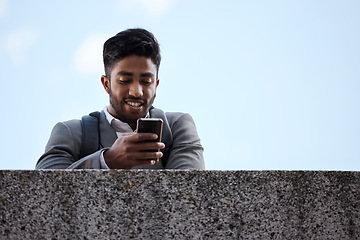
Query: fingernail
point(153, 162)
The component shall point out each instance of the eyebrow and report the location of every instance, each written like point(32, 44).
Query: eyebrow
point(125, 73)
point(148, 74)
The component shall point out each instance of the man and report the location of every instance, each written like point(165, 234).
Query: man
point(131, 59)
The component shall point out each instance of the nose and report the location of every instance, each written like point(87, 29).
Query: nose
point(135, 90)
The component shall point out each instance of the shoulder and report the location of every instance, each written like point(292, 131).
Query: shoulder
point(178, 117)
point(72, 125)
point(173, 118)
point(75, 124)
point(65, 132)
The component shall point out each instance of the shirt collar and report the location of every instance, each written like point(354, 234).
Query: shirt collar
point(117, 124)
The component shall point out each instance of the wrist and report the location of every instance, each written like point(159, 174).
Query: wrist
point(107, 157)
point(103, 164)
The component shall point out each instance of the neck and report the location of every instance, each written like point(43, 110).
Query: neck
point(112, 112)
point(133, 126)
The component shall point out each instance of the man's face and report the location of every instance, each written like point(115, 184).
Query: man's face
point(132, 88)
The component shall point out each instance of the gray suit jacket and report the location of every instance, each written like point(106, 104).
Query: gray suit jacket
point(63, 147)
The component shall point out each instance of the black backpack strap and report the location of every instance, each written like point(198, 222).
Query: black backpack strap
point(90, 140)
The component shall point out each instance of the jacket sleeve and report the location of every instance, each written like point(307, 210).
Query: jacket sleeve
point(186, 151)
point(63, 147)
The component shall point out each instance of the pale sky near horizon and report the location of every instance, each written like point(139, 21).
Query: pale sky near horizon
point(271, 85)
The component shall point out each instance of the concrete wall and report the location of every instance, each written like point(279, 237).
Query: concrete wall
point(95, 204)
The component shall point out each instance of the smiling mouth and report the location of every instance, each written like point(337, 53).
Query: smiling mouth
point(134, 104)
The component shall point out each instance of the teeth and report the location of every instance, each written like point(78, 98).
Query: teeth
point(134, 104)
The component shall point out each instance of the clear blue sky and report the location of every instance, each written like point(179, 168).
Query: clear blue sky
point(270, 84)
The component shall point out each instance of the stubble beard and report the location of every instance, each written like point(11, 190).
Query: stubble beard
point(120, 112)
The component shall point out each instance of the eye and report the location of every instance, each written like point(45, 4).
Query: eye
point(124, 81)
point(146, 82)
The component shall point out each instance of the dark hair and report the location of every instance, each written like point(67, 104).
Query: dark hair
point(136, 41)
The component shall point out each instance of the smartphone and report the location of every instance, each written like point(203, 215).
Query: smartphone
point(150, 125)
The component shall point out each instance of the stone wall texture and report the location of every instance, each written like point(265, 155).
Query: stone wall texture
point(142, 204)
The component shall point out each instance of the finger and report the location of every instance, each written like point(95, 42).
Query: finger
point(142, 137)
point(150, 146)
point(127, 134)
point(147, 162)
point(137, 137)
point(146, 156)
point(144, 146)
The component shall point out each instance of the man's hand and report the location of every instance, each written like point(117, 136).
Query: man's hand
point(128, 151)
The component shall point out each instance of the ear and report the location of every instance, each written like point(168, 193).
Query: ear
point(106, 83)
point(157, 83)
